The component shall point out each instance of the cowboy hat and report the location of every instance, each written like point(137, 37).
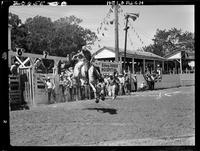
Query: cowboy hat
point(16, 62)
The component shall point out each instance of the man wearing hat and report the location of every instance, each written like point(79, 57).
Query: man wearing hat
point(14, 68)
point(50, 89)
point(159, 72)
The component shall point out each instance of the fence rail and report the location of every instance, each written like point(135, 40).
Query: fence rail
point(14, 90)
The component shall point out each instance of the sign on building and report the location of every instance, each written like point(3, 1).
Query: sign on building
point(108, 67)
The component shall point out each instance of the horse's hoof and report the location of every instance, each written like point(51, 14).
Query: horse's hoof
point(97, 101)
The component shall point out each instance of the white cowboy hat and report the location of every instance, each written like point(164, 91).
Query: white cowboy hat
point(16, 62)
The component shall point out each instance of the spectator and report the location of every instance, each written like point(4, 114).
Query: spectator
point(135, 82)
point(14, 68)
point(158, 70)
point(121, 84)
point(112, 86)
point(127, 84)
point(116, 80)
point(50, 89)
point(148, 78)
point(159, 73)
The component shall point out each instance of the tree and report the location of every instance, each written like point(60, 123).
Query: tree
point(168, 41)
point(70, 36)
point(61, 37)
point(19, 32)
point(40, 34)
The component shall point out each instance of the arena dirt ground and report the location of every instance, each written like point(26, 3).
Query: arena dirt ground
point(159, 117)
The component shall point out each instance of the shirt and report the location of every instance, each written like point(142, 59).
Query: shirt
point(112, 82)
point(49, 85)
point(121, 79)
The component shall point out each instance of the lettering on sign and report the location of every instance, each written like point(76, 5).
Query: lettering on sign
point(109, 67)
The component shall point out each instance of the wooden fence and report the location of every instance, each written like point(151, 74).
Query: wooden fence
point(14, 91)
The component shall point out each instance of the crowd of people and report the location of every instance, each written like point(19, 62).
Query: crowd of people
point(119, 84)
point(113, 84)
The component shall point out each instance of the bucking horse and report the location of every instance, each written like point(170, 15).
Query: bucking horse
point(84, 69)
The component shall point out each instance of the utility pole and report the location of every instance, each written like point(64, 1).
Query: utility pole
point(126, 29)
point(116, 34)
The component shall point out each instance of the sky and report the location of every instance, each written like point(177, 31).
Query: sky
point(141, 31)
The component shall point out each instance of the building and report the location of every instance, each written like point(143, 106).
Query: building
point(136, 61)
point(180, 61)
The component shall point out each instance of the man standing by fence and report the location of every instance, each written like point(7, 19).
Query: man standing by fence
point(50, 89)
point(14, 68)
point(135, 82)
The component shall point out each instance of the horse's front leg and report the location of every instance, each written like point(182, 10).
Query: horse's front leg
point(95, 92)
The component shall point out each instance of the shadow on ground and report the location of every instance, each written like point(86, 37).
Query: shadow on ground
point(103, 110)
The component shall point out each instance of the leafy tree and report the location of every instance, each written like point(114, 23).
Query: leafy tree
point(70, 36)
point(19, 32)
point(61, 37)
point(40, 33)
point(168, 41)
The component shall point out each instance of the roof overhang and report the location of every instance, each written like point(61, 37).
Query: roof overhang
point(104, 53)
point(108, 52)
point(178, 55)
point(175, 56)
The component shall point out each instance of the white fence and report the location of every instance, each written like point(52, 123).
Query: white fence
point(170, 80)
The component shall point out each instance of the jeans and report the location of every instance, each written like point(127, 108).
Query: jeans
point(50, 92)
